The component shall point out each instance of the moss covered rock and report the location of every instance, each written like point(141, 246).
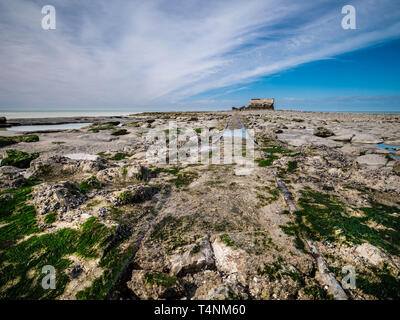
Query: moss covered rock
point(119, 132)
point(7, 141)
point(18, 158)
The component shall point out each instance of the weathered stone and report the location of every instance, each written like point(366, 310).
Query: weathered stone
point(343, 138)
point(154, 285)
point(366, 138)
point(393, 142)
point(60, 197)
point(11, 177)
point(353, 150)
point(396, 168)
point(136, 194)
point(124, 174)
point(373, 160)
point(371, 254)
point(195, 258)
point(62, 166)
point(323, 132)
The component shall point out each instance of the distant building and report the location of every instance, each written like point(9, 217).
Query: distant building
point(261, 104)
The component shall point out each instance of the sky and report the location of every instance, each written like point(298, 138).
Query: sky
point(199, 55)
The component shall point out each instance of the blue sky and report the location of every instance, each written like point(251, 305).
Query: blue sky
point(365, 80)
point(192, 54)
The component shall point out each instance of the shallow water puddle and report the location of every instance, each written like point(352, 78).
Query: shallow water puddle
point(390, 148)
point(45, 127)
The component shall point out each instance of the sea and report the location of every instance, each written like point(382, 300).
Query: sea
point(63, 113)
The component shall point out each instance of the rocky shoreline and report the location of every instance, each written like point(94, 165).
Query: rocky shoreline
point(202, 230)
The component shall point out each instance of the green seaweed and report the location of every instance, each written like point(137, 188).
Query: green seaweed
point(324, 217)
point(50, 218)
point(119, 132)
point(160, 279)
point(89, 185)
point(18, 158)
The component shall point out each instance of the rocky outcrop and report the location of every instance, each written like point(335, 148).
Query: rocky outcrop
point(371, 254)
point(136, 194)
point(396, 168)
point(195, 258)
point(323, 132)
point(126, 173)
point(373, 160)
point(148, 285)
point(11, 177)
point(62, 166)
point(362, 138)
point(60, 197)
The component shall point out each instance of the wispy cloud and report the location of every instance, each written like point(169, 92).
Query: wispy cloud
point(158, 53)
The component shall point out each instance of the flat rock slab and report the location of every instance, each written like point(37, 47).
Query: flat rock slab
point(366, 138)
point(352, 150)
point(374, 160)
point(392, 142)
point(342, 138)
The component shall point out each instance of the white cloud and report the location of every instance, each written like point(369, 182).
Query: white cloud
point(157, 53)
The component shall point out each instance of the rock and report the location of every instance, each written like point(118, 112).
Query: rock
point(366, 138)
point(125, 174)
point(371, 254)
point(378, 151)
point(154, 285)
point(63, 166)
point(75, 272)
point(11, 177)
point(353, 150)
point(3, 120)
point(393, 142)
point(211, 286)
point(229, 260)
point(136, 194)
point(396, 168)
point(18, 158)
point(373, 160)
point(323, 132)
point(103, 211)
point(195, 258)
point(343, 138)
point(121, 132)
point(61, 197)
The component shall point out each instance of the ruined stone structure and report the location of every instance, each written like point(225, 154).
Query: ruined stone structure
point(261, 104)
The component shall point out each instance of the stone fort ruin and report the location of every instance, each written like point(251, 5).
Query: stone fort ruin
point(257, 104)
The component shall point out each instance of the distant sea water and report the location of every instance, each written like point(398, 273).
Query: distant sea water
point(69, 113)
point(108, 113)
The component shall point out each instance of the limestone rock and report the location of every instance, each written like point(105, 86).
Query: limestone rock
point(61, 197)
point(195, 258)
point(124, 174)
point(62, 166)
point(136, 194)
point(396, 168)
point(323, 132)
point(366, 138)
point(11, 177)
point(150, 285)
point(371, 254)
point(373, 160)
point(343, 138)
